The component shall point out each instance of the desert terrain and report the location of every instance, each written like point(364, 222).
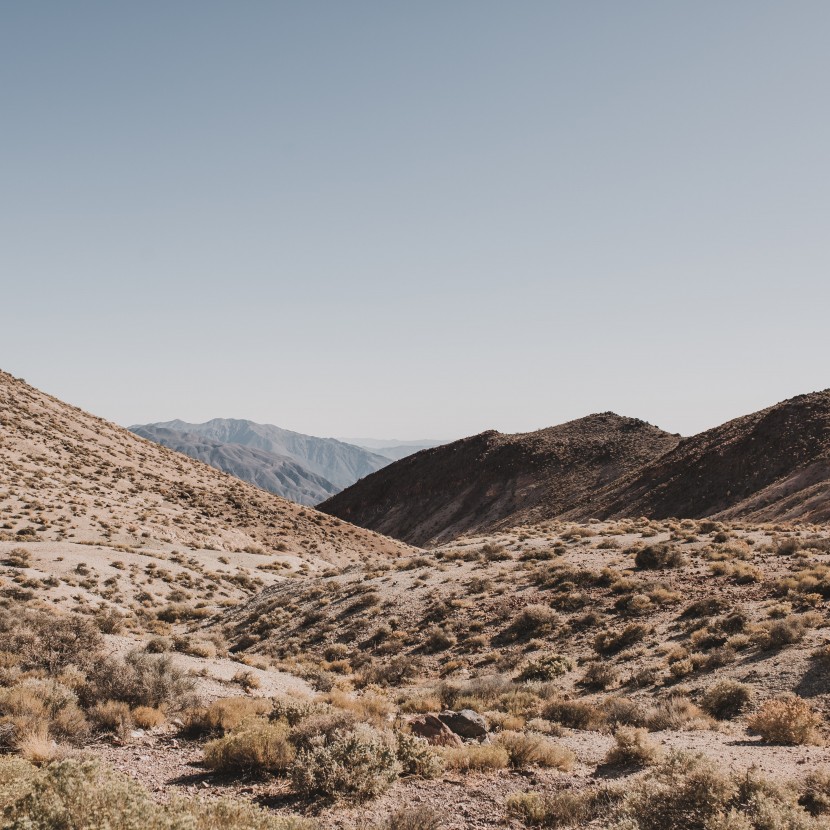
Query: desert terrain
point(179, 649)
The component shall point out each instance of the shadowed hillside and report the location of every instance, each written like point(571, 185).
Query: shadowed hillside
point(768, 466)
point(493, 480)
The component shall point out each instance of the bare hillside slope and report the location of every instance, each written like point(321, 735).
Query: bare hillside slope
point(493, 480)
point(68, 475)
point(771, 465)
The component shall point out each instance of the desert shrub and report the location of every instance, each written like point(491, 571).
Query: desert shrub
point(741, 572)
point(545, 667)
point(413, 818)
point(599, 676)
point(159, 645)
point(395, 672)
point(85, 795)
point(575, 714)
point(294, 710)
point(815, 795)
point(623, 711)
point(417, 757)
point(258, 746)
point(763, 805)
point(566, 808)
point(677, 712)
point(368, 707)
point(109, 621)
point(788, 547)
point(234, 815)
point(112, 716)
point(611, 642)
point(487, 689)
point(247, 679)
point(39, 749)
point(533, 620)
point(142, 679)
point(632, 745)
point(521, 701)
point(659, 556)
point(775, 634)
point(703, 608)
point(732, 623)
point(50, 642)
point(224, 715)
point(195, 648)
point(821, 656)
point(353, 764)
point(19, 558)
point(40, 709)
point(476, 757)
point(17, 777)
point(685, 792)
point(785, 720)
point(493, 552)
point(437, 638)
point(526, 748)
point(726, 699)
point(321, 728)
point(147, 717)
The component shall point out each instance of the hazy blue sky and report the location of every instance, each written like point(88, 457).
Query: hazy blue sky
point(416, 219)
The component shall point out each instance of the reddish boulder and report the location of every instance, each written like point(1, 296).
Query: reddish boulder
point(431, 727)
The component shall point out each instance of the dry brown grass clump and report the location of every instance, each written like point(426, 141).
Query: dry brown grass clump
point(633, 746)
point(19, 558)
point(599, 676)
point(258, 746)
point(529, 748)
point(533, 620)
point(545, 667)
point(414, 818)
point(659, 556)
point(786, 720)
point(575, 714)
point(148, 717)
point(40, 711)
point(566, 808)
point(726, 699)
point(224, 715)
point(677, 712)
point(610, 642)
point(476, 757)
point(112, 716)
point(815, 796)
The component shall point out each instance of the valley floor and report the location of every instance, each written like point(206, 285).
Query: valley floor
point(565, 638)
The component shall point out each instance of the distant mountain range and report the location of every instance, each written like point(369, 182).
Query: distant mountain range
point(392, 449)
point(299, 467)
point(772, 465)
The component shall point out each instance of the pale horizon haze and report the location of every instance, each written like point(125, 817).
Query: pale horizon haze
point(416, 220)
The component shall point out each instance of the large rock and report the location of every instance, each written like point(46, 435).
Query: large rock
point(431, 727)
point(467, 723)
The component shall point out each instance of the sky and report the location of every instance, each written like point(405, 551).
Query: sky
point(418, 219)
